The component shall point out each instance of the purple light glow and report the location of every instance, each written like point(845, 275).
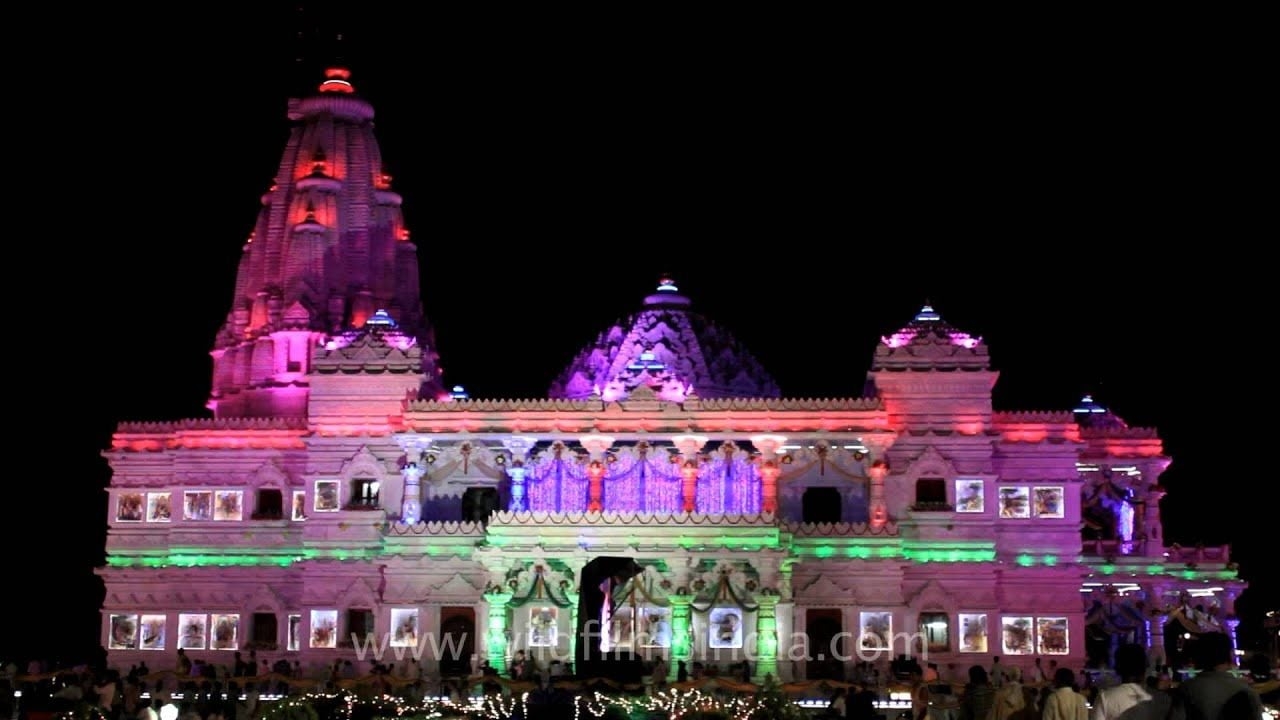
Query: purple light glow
point(650, 485)
point(557, 485)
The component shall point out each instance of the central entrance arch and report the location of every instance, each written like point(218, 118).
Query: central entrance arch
point(600, 578)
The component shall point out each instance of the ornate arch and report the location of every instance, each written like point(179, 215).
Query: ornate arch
point(900, 492)
point(269, 475)
point(932, 598)
point(357, 595)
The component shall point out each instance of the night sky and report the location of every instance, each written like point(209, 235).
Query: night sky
point(1082, 214)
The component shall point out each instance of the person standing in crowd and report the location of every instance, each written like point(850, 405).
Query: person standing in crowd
point(1064, 703)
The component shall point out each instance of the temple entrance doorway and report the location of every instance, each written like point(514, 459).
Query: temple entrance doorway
point(821, 505)
point(600, 580)
point(457, 640)
point(827, 647)
point(478, 504)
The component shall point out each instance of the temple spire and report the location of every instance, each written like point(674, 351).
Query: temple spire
point(330, 247)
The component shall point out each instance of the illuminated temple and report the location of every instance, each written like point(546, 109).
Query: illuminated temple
point(340, 493)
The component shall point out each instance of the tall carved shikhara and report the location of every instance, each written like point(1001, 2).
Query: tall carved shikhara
point(328, 251)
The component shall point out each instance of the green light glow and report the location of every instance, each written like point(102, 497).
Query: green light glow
point(1050, 560)
point(1108, 569)
point(680, 640)
point(498, 630)
point(1155, 569)
point(766, 637)
point(201, 560)
point(1025, 560)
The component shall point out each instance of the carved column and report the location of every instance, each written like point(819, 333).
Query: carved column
point(689, 445)
point(411, 505)
point(1231, 624)
point(596, 445)
point(766, 638)
point(519, 448)
point(879, 514)
point(768, 446)
point(681, 633)
point(496, 637)
point(1151, 524)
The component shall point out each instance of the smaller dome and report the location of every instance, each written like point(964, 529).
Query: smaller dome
point(1091, 414)
point(668, 348)
point(930, 343)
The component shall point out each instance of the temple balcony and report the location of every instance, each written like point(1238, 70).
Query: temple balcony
point(1220, 555)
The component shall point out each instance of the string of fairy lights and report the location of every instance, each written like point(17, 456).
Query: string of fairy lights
point(674, 704)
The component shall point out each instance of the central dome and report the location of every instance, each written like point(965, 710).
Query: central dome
point(671, 350)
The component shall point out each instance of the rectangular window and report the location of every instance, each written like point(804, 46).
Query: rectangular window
point(295, 633)
point(197, 505)
point(130, 507)
point(270, 505)
point(936, 629)
point(359, 625)
point(263, 631)
point(931, 494)
point(225, 631)
point(364, 494)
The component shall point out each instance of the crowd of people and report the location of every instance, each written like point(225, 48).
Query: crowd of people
point(1137, 690)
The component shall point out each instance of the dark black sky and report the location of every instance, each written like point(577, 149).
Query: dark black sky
point(1085, 209)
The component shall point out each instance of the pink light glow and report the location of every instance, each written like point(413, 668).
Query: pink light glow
point(964, 340)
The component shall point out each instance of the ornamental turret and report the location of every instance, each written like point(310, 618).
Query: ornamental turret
point(932, 375)
point(328, 255)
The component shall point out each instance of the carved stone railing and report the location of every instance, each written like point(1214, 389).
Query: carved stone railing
point(1175, 554)
point(504, 405)
point(623, 519)
point(889, 529)
point(437, 528)
point(249, 423)
point(1017, 417)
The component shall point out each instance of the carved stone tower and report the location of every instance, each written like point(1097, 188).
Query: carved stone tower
point(329, 254)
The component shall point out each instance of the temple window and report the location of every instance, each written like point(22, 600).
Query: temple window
point(359, 624)
point(270, 505)
point(935, 628)
point(364, 493)
point(931, 494)
point(821, 505)
point(263, 631)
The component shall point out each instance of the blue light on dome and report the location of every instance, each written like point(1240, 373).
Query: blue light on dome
point(381, 319)
point(1087, 405)
point(927, 314)
point(646, 361)
point(666, 284)
point(458, 393)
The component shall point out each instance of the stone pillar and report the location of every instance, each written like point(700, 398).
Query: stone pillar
point(519, 448)
point(1231, 624)
point(799, 669)
point(1151, 525)
point(429, 622)
point(879, 513)
point(596, 445)
point(572, 597)
point(768, 445)
point(496, 634)
point(766, 638)
point(411, 505)
point(681, 633)
point(689, 445)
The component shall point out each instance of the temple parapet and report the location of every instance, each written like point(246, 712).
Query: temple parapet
point(434, 529)
point(224, 433)
point(1018, 417)
point(1136, 433)
point(244, 423)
